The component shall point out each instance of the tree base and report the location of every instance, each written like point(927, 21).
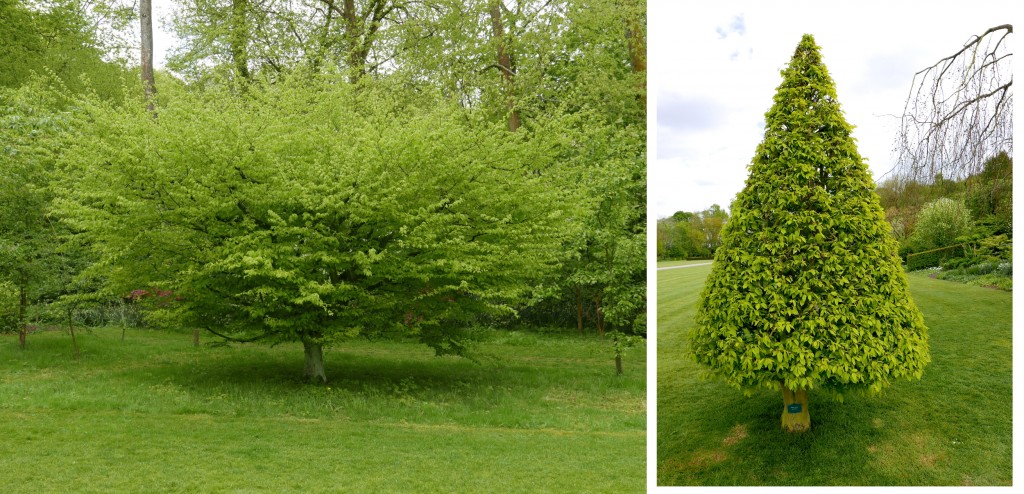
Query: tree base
point(314, 369)
point(796, 418)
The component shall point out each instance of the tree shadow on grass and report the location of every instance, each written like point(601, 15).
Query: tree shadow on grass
point(275, 371)
point(740, 442)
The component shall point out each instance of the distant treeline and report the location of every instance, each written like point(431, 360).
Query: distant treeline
point(691, 235)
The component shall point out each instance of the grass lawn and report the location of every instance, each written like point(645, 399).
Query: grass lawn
point(953, 427)
point(666, 264)
point(155, 414)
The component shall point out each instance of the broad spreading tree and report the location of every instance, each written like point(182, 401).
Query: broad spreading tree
point(309, 210)
point(807, 291)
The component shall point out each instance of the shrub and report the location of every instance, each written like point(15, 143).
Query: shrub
point(1005, 269)
point(958, 262)
point(996, 247)
point(941, 222)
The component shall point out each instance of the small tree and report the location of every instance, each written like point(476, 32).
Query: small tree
point(941, 222)
point(807, 290)
point(29, 237)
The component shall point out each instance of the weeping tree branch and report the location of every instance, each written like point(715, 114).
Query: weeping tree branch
point(959, 111)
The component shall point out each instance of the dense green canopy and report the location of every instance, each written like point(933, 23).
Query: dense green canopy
point(317, 171)
point(807, 289)
point(315, 211)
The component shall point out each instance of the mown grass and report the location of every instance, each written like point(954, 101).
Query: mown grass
point(953, 427)
point(154, 414)
point(666, 264)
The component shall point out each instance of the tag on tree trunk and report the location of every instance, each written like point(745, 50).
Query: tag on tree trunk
point(794, 408)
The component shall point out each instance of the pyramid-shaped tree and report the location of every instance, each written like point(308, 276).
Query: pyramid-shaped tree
point(807, 291)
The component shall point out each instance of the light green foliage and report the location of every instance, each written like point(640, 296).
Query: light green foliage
point(59, 38)
point(8, 307)
point(570, 81)
point(312, 210)
point(941, 222)
point(807, 288)
point(31, 238)
point(608, 247)
point(582, 73)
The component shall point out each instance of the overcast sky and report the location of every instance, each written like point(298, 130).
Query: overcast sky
point(714, 69)
point(163, 40)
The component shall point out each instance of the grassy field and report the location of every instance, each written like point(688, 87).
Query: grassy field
point(154, 414)
point(667, 264)
point(954, 427)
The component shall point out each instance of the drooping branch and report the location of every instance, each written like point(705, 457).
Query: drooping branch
point(958, 112)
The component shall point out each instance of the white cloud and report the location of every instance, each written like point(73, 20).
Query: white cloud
point(736, 26)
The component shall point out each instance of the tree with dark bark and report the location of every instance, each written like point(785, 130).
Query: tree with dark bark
point(496, 9)
point(274, 37)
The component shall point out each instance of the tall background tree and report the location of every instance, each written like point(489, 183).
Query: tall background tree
point(62, 44)
point(691, 235)
point(146, 51)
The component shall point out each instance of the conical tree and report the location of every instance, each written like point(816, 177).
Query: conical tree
point(807, 290)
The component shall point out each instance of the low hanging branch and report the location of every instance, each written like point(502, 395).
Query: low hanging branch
point(959, 111)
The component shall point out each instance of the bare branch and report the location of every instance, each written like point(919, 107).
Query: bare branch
point(958, 112)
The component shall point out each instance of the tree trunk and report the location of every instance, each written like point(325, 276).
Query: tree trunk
point(618, 365)
point(195, 337)
point(636, 38)
point(579, 310)
point(239, 38)
point(71, 328)
point(146, 25)
point(795, 415)
point(353, 38)
point(314, 361)
point(22, 308)
point(504, 64)
point(597, 316)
